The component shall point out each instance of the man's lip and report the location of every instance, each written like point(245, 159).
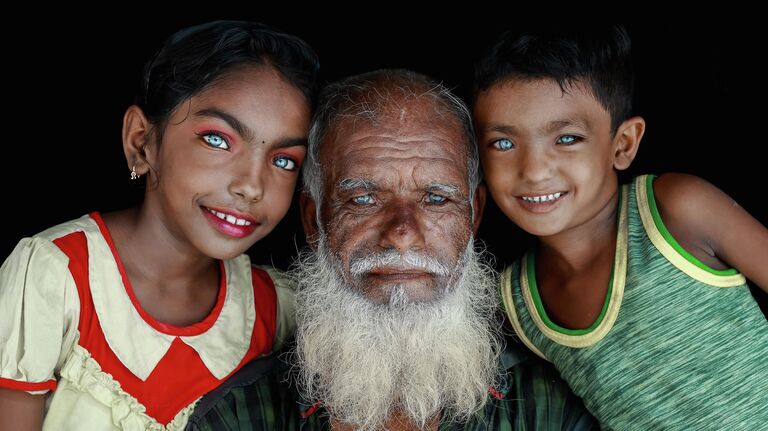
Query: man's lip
point(395, 274)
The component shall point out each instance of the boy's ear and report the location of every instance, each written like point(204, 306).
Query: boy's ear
point(478, 207)
point(136, 136)
point(308, 210)
point(627, 142)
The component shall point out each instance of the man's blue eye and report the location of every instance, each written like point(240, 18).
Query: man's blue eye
point(435, 199)
point(567, 140)
point(363, 200)
point(215, 140)
point(503, 144)
point(283, 162)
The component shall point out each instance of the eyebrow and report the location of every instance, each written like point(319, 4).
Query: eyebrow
point(550, 127)
point(556, 125)
point(447, 189)
point(244, 131)
point(357, 184)
point(501, 128)
point(241, 129)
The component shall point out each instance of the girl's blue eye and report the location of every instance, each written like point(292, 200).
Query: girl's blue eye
point(283, 162)
point(435, 199)
point(567, 139)
point(503, 144)
point(363, 200)
point(215, 140)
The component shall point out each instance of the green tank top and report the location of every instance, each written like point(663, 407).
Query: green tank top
point(678, 345)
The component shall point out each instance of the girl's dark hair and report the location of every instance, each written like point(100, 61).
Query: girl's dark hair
point(597, 56)
point(194, 57)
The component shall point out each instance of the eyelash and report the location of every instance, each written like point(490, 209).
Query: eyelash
point(205, 135)
point(496, 144)
point(289, 159)
point(576, 139)
point(354, 200)
point(428, 195)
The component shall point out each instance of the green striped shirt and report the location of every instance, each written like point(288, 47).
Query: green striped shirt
point(531, 396)
point(678, 345)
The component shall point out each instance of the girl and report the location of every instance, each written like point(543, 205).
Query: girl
point(124, 320)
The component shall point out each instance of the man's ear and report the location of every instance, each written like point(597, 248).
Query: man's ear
point(627, 142)
point(478, 207)
point(136, 136)
point(308, 210)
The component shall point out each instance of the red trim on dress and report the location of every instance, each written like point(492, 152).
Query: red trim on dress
point(183, 331)
point(27, 386)
point(180, 377)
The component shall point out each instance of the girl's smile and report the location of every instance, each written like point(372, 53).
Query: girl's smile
point(231, 223)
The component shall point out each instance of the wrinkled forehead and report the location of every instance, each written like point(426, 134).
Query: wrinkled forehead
point(418, 128)
point(399, 116)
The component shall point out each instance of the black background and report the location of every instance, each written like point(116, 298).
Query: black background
point(68, 82)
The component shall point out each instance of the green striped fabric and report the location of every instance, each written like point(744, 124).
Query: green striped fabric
point(682, 353)
point(259, 397)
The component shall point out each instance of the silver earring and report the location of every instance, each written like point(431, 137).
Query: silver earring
point(134, 175)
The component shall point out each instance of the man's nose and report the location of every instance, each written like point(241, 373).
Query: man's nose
point(248, 180)
point(402, 229)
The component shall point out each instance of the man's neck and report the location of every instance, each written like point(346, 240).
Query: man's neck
point(396, 422)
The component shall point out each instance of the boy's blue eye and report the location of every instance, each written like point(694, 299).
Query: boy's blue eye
point(283, 162)
point(215, 140)
point(432, 198)
point(363, 200)
point(503, 144)
point(567, 139)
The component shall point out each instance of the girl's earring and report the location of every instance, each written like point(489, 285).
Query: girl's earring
point(134, 175)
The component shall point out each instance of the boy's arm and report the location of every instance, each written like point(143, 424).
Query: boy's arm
point(20, 410)
point(712, 226)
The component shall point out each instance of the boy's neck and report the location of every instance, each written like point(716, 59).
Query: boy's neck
point(577, 249)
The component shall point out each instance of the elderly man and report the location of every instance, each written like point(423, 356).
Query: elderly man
point(395, 311)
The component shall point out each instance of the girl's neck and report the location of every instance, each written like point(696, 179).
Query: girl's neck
point(576, 249)
point(150, 252)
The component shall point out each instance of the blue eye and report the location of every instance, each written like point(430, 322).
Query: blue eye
point(283, 162)
point(215, 140)
point(432, 198)
point(363, 200)
point(503, 144)
point(567, 139)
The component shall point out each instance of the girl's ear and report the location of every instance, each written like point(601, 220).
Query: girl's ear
point(627, 142)
point(308, 209)
point(136, 136)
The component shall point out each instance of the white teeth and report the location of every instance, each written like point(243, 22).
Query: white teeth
point(230, 218)
point(542, 198)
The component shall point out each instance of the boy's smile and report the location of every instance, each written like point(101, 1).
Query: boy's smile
point(547, 155)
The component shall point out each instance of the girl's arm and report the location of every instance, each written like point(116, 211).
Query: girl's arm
point(712, 226)
point(21, 411)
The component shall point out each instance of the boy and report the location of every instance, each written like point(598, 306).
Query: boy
point(633, 291)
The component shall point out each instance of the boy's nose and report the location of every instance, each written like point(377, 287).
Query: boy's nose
point(535, 166)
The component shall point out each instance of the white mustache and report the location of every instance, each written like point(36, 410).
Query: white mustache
point(410, 260)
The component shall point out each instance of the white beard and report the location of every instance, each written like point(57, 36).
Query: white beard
point(365, 360)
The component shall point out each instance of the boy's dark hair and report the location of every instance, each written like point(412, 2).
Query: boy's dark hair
point(598, 56)
point(194, 57)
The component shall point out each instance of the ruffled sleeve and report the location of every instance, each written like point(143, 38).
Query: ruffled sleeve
point(285, 288)
point(39, 311)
